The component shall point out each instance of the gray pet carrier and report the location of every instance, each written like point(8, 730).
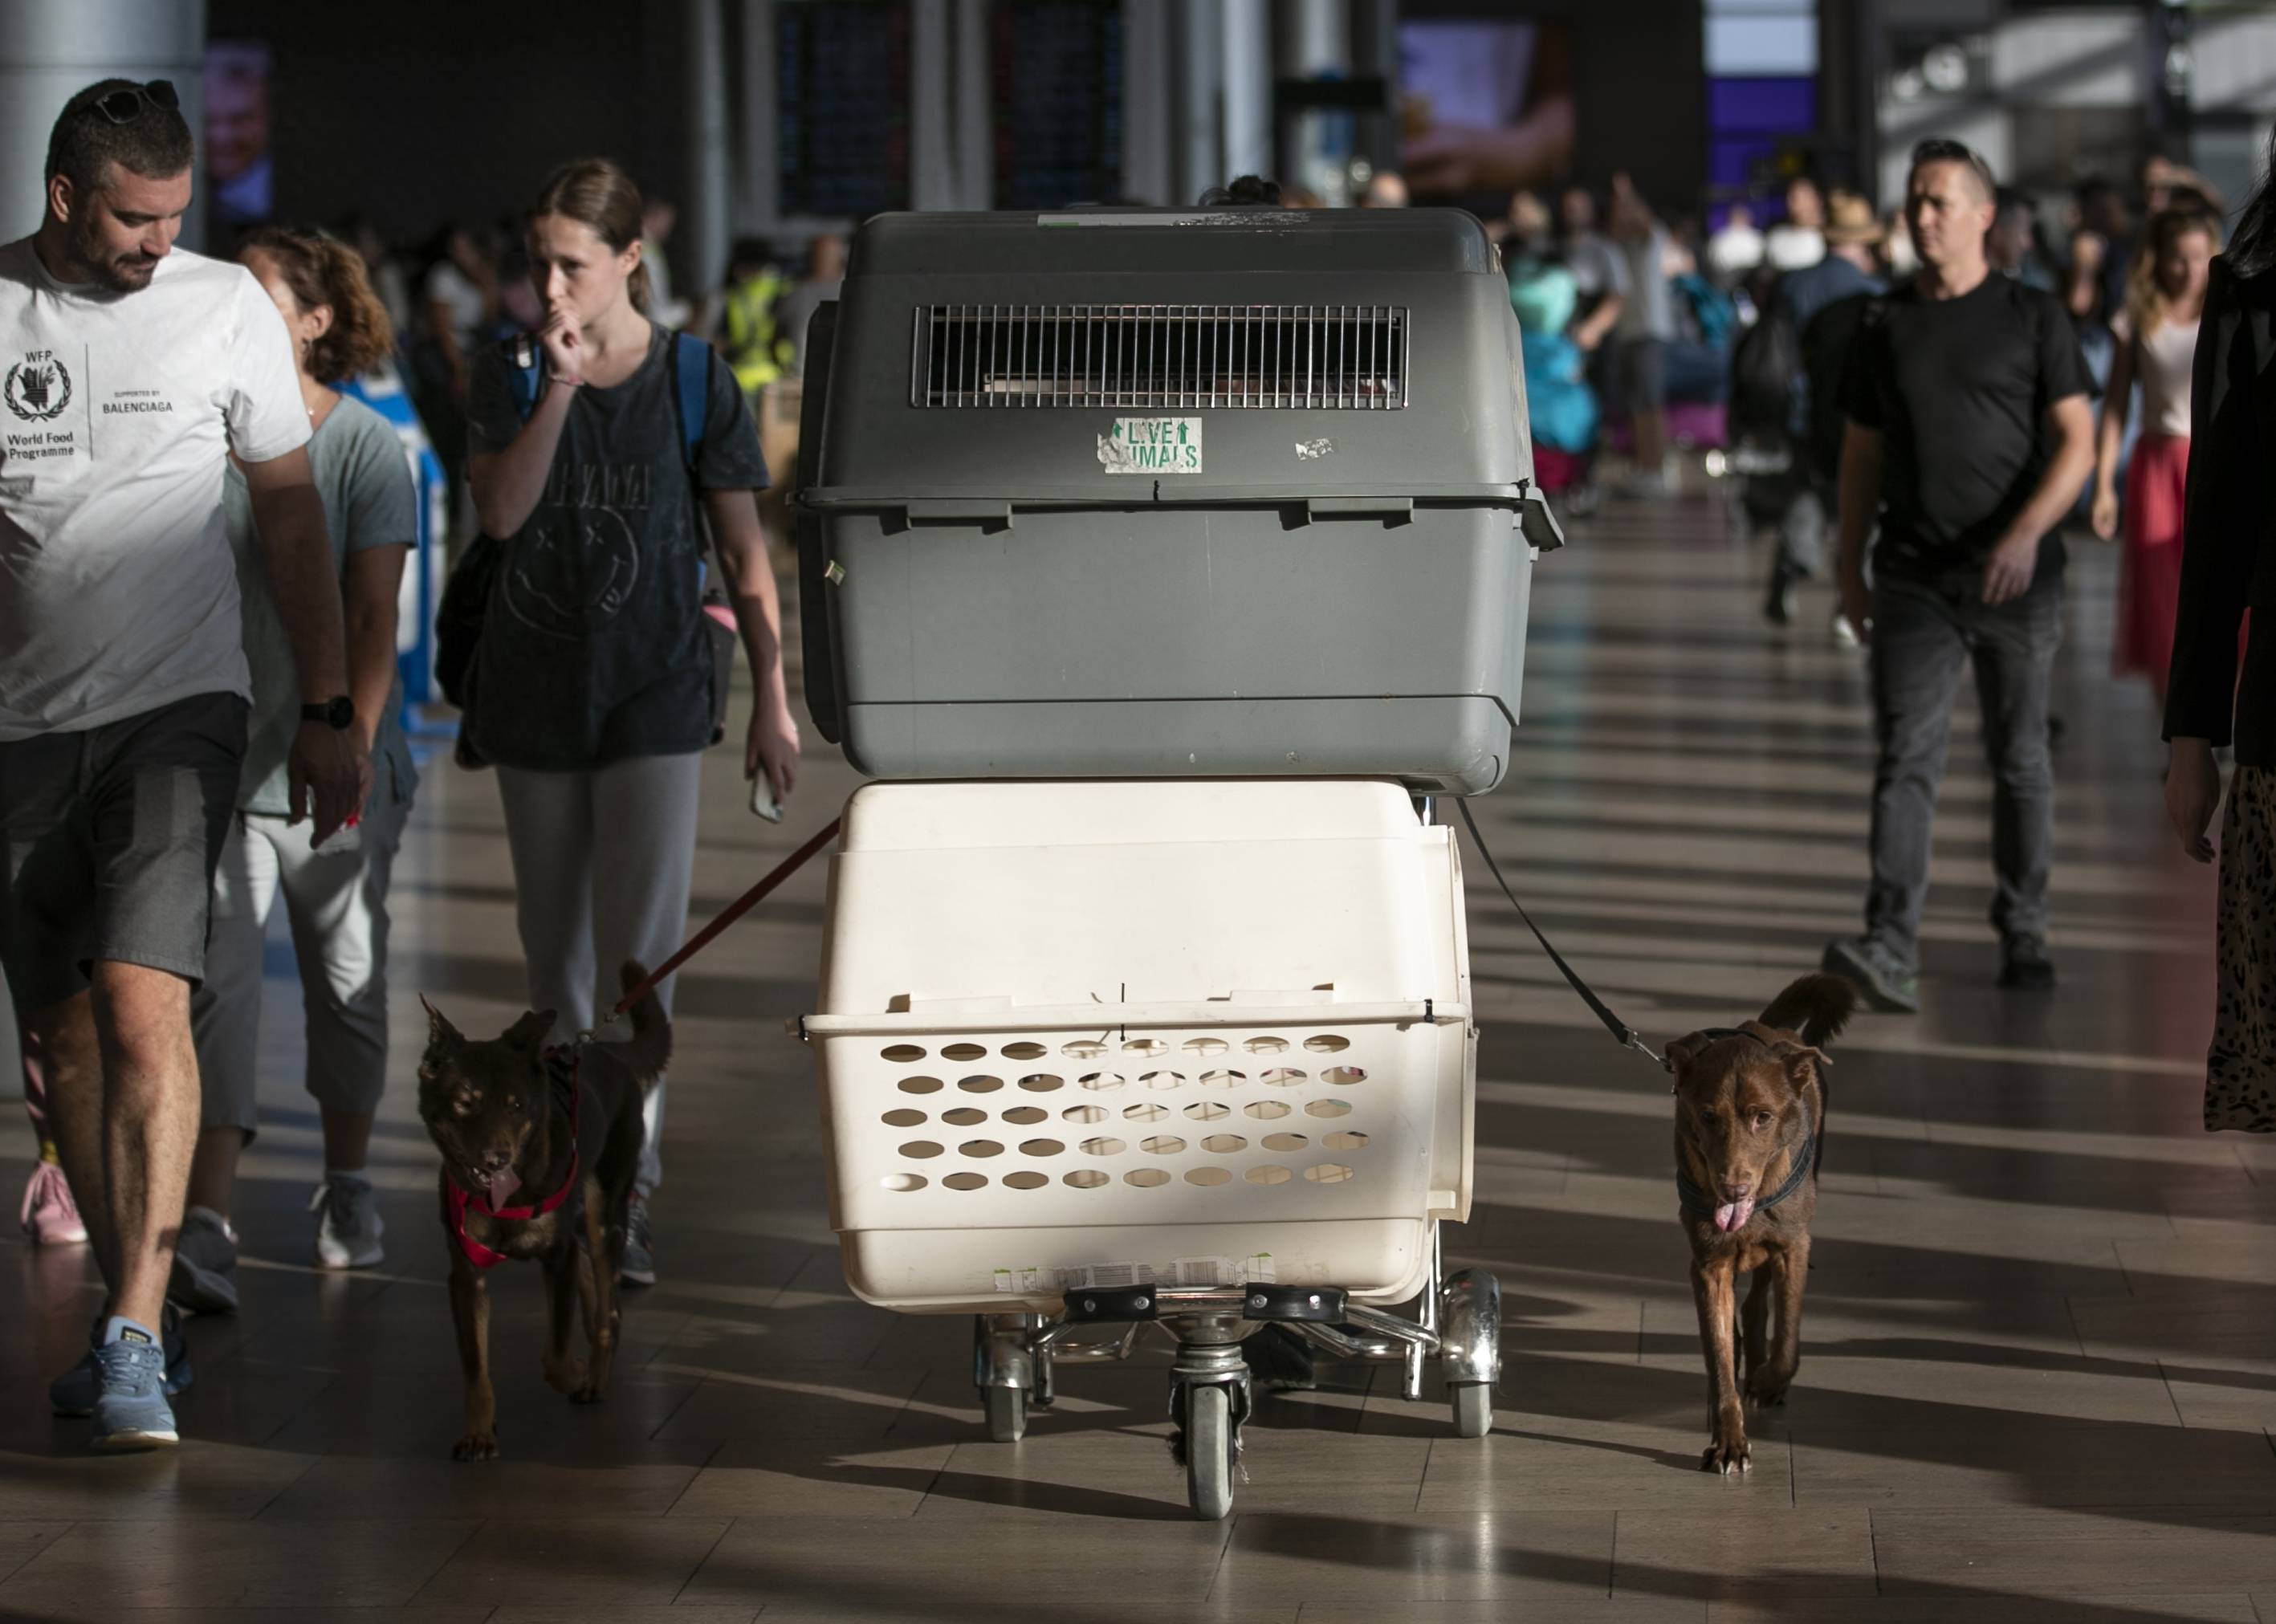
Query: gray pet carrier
point(1148, 494)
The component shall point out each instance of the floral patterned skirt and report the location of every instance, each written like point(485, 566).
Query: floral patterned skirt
point(2240, 1066)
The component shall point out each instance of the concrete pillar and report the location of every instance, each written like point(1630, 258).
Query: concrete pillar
point(973, 109)
point(707, 217)
point(1248, 88)
point(1151, 104)
point(932, 171)
point(50, 49)
point(1198, 43)
point(758, 185)
point(1314, 42)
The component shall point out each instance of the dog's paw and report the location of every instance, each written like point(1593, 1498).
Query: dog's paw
point(1766, 1386)
point(1728, 1454)
point(566, 1376)
point(475, 1446)
point(589, 1393)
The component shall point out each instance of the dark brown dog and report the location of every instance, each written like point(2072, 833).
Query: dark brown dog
point(538, 1159)
point(1749, 1134)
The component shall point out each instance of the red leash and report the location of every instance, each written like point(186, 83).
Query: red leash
point(734, 911)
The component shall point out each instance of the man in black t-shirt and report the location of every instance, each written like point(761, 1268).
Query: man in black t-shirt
point(1968, 438)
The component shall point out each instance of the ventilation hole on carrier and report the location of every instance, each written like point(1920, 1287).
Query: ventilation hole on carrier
point(1223, 1080)
point(1146, 1045)
point(963, 1116)
point(1206, 1110)
point(1344, 1076)
point(1029, 1181)
point(980, 1085)
point(1282, 1077)
point(1084, 1049)
point(1103, 1083)
point(1146, 1110)
point(902, 1119)
point(1147, 1177)
point(1024, 1115)
point(1164, 1080)
point(1102, 1147)
point(1041, 1147)
point(1328, 1172)
point(1327, 1043)
point(1265, 1110)
point(978, 1147)
point(902, 1054)
point(1084, 1113)
point(1204, 1045)
point(1162, 1144)
point(921, 1149)
point(920, 1085)
point(1041, 1083)
point(1284, 1142)
point(1024, 1051)
point(1087, 1178)
point(904, 1182)
point(1327, 1108)
point(1268, 1175)
point(1266, 1045)
point(1345, 1141)
point(1225, 1144)
point(964, 1051)
point(1209, 1175)
point(964, 1181)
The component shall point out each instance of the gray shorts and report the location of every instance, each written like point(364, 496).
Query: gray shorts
point(110, 835)
point(1643, 375)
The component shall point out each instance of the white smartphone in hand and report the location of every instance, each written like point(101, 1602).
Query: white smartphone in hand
point(763, 799)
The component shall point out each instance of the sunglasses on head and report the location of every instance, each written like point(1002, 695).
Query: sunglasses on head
point(129, 103)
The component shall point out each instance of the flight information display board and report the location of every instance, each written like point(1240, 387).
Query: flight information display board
point(842, 73)
point(1058, 76)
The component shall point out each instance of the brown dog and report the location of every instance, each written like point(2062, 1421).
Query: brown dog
point(539, 1151)
point(1749, 1134)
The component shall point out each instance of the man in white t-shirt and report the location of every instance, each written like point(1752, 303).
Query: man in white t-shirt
point(129, 373)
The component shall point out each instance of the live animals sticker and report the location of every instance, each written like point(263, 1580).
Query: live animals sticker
point(1152, 445)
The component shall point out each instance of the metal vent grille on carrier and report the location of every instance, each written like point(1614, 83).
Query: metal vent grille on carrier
point(1300, 356)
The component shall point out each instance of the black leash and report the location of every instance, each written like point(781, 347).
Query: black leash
point(1624, 1034)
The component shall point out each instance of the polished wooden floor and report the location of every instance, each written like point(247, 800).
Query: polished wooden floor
point(2040, 1369)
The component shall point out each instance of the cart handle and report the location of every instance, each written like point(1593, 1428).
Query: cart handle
point(1103, 1018)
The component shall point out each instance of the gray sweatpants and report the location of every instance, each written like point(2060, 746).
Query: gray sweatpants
point(601, 863)
point(336, 901)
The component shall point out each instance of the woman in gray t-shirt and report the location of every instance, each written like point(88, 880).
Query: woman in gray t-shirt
point(336, 893)
point(593, 679)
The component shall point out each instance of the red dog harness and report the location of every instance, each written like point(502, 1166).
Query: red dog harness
point(561, 1067)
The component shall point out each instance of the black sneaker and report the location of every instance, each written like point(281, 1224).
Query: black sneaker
point(1778, 609)
point(2024, 966)
point(1888, 986)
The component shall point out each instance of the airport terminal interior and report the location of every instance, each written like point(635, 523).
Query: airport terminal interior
point(2038, 1372)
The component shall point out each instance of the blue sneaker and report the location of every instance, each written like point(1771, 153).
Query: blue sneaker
point(131, 1411)
point(72, 1394)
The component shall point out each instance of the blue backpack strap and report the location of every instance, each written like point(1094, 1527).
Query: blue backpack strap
point(524, 362)
point(691, 384)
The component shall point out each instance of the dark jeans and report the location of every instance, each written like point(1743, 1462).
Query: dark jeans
point(1922, 631)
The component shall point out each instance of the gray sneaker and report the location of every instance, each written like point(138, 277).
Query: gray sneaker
point(349, 1228)
point(204, 1281)
point(1884, 980)
point(131, 1411)
point(72, 1394)
point(640, 1247)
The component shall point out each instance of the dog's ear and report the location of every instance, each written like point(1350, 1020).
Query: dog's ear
point(439, 1030)
point(530, 1032)
point(1800, 1060)
point(1683, 1050)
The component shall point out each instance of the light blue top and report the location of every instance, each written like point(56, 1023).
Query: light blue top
point(363, 478)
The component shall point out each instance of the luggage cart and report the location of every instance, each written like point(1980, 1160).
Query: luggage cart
point(1237, 1091)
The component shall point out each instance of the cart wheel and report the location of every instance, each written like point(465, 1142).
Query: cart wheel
point(1208, 1451)
point(1473, 1409)
point(1007, 1413)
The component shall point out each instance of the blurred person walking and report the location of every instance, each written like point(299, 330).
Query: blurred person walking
point(1646, 329)
point(593, 682)
point(2157, 346)
point(1798, 242)
point(825, 276)
point(1969, 436)
point(123, 683)
point(1735, 249)
point(335, 895)
point(2228, 566)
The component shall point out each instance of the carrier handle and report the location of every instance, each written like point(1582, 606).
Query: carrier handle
point(1120, 1017)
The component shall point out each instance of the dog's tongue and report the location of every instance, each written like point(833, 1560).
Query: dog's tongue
point(1727, 1217)
point(501, 1186)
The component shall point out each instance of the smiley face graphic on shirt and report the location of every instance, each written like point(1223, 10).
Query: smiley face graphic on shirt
point(572, 571)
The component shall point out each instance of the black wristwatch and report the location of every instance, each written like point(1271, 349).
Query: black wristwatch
point(337, 713)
